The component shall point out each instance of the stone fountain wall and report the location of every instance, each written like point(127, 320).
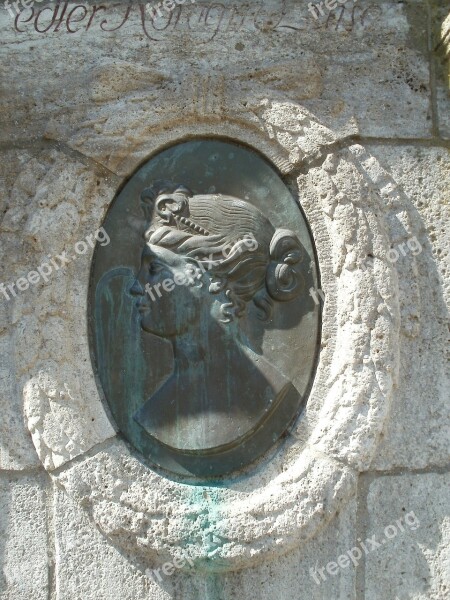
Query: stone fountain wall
point(350, 101)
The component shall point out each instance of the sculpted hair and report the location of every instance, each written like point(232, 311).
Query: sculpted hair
point(214, 230)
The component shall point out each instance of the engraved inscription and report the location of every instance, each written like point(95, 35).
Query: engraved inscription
point(206, 21)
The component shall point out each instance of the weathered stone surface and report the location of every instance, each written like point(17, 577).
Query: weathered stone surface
point(177, 70)
point(218, 528)
point(414, 563)
point(60, 425)
point(288, 576)
point(362, 317)
point(87, 566)
point(23, 538)
point(441, 47)
point(418, 432)
point(16, 448)
point(50, 208)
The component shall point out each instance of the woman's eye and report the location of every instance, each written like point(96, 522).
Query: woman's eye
point(154, 268)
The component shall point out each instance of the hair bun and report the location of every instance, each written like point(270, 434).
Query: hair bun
point(283, 281)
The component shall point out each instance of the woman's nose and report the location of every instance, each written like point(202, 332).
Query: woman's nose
point(137, 289)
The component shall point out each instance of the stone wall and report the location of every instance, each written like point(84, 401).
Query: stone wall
point(353, 109)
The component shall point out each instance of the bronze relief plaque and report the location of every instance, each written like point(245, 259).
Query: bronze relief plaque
point(204, 334)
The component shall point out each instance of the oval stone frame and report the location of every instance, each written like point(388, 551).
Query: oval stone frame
point(133, 366)
point(354, 209)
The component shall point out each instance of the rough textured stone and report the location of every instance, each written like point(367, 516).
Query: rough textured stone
point(87, 566)
point(83, 110)
point(16, 448)
point(418, 433)
point(60, 425)
point(23, 538)
point(286, 577)
point(441, 46)
point(50, 207)
point(219, 528)
point(362, 68)
point(415, 562)
point(362, 357)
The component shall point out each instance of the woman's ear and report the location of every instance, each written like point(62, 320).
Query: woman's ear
point(284, 280)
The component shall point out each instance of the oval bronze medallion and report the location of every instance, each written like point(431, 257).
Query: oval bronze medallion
point(204, 332)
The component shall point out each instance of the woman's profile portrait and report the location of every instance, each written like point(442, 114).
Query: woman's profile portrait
point(206, 259)
point(204, 333)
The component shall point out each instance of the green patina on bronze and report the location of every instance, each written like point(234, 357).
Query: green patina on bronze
point(204, 334)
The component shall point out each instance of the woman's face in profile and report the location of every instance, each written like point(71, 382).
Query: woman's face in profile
point(168, 290)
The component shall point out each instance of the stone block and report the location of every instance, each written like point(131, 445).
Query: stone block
point(441, 48)
point(88, 566)
point(417, 432)
point(408, 515)
point(361, 68)
point(24, 554)
point(49, 208)
point(16, 448)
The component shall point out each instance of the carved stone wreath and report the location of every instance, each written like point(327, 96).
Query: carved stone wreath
point(355, 212)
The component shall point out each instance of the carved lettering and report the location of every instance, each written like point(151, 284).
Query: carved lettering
point(208, 21)
point(95, 10)
point(25, 21)
point(36, 21)
point(77, 20)
point(125, 19)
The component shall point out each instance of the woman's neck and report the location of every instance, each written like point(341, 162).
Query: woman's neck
point(206, 348)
